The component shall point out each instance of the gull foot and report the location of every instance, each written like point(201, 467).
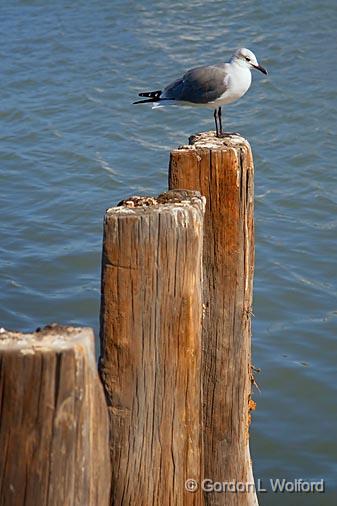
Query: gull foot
point(228, 134)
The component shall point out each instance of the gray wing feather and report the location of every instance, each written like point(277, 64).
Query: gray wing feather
point(199, 85)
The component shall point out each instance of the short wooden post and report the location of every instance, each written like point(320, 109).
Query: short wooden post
point(222, 170)
point(53, 420)
point(151, 347)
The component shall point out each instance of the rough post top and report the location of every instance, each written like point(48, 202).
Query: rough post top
point(172, 199)
point(208, 140)
point(51, 337)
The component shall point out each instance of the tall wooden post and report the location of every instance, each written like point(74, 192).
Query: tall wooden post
point(151, 347)
point(53, 420)
point(222, 170)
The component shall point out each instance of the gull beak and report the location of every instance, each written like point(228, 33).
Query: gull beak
point(261, 69)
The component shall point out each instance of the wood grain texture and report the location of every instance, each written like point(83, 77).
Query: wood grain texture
point(53, 420)
point(151, 347)
point(222, 170)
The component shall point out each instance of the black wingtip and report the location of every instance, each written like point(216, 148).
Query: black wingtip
point(150, 94)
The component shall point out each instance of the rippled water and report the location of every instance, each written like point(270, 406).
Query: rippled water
point(72, 145)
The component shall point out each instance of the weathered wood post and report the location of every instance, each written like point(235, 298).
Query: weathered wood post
point(222, 170)
point(151, 347)
point(53, 420)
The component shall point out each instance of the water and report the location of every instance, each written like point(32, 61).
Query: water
point(72, 145)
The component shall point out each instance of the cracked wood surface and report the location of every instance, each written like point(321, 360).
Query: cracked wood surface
point(54, 448)
point(222, 170)
point(151, 347)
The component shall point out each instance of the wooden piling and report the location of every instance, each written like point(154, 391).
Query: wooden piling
point(151, 347)
point(53, 420)
point(222, 170)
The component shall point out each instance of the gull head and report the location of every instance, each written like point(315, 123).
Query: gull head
point(246, 58)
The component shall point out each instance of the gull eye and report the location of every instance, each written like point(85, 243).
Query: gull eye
point(247, 58)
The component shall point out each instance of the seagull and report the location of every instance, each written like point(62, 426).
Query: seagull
point(209, 86)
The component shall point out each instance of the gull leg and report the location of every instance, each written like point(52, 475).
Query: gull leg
point(216, 122)
point(220, 122)
point(222, 133)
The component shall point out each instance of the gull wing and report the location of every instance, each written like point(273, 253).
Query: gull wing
point(200, 85)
